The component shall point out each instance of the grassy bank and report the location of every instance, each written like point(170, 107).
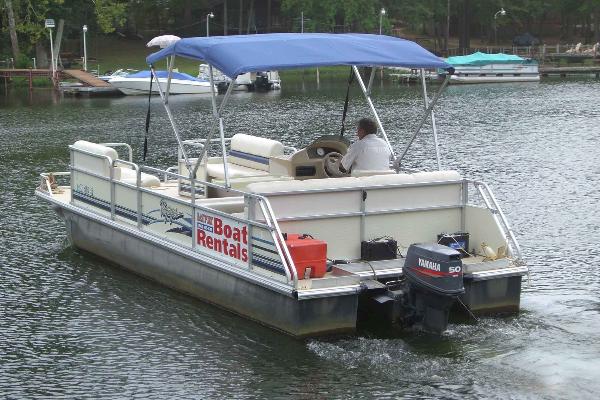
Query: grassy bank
point(24, 82)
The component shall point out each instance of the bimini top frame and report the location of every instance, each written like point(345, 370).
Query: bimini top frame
point(235, 55)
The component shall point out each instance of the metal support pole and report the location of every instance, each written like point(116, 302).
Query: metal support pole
point(427, 111)
point(171, 119)
point(85, 49)
point(368, 98)
point(433, 125)
point(217, 116)
point(138, 190)
point(52, 56)
point(112, 190)
point(171, 65)
point(371, 78)
point(464, 202)
point(213, 127)
point(194, 216)
point(251, 203)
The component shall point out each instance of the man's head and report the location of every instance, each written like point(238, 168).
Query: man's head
point(366, 126)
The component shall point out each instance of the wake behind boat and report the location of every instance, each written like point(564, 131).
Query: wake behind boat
point(275, 233)
point(139, 83)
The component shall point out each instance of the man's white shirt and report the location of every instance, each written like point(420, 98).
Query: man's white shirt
point(368, 153)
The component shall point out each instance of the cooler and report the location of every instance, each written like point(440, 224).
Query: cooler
point(307, 253)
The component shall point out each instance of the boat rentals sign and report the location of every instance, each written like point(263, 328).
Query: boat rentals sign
point(223, 237)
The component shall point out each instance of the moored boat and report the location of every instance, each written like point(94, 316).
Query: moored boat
point(139, 83)
point(493, 68)
point(273, 233)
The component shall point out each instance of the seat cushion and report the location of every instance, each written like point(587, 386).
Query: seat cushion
point(235, 171)
point(90, 163)
point(253, 151)
point(128, 176)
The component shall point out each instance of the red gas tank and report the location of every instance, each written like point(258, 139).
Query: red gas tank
point(307, 253)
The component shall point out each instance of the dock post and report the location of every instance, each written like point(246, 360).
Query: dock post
point(30, 79)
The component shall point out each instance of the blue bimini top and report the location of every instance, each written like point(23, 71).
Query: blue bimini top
point(235, 55)
point(165, 74)
point(479, 58)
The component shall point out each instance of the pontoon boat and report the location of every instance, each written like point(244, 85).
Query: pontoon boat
point(269, 232)
point(493, 68)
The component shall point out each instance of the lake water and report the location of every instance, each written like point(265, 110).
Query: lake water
point(73, 325)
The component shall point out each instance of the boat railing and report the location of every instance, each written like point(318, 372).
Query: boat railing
point(267, 222)
point(490, 202)
point(126, 145)
point(250, 199)
point(49, 181)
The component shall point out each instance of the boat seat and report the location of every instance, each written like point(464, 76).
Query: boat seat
point(371, 172)
point(235, 171)
point(100, 166)
point(248, 156)
point(408, 207)
point(128, 176)
point(230, 205)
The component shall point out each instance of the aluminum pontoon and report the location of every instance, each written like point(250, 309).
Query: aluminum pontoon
point(228, 229)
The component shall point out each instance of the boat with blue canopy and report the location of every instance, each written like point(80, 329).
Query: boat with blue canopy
point(492, 68)
point(282, 235)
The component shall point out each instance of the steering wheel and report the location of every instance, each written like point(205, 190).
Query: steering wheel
point(331, 162)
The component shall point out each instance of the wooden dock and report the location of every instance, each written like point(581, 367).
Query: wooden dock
point(84, 77)
point(89, 85)
point(566, 70)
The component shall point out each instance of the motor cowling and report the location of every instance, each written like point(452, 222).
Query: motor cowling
point(434, 276)
point(436, 268)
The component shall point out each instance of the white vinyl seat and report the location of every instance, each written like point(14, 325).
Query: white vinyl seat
point(146, 180)
point(248, 156)
point(100, 166)
point(235, 171)
point(371, 172)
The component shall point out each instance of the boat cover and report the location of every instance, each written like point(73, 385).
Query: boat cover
point(480, 58)
point(165, 74)
point(235, 55)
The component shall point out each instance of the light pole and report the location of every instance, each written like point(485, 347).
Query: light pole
point(500, 12)
point(208, 18)
point(49, 24)
point(381, 14)
point(84, 49)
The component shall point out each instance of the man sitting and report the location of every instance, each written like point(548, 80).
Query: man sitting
point(369, 152)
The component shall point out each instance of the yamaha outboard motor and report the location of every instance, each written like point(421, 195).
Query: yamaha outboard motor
point(434, 276)
point(432, 279)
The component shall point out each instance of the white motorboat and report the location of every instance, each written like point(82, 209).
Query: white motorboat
point(139, 83)
point(244, 82)
point(493, 68)
point(121, 72)
point(277, 234)
point(264, 80)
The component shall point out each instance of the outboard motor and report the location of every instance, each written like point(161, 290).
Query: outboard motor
point(434, 276)
point(431, 281)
